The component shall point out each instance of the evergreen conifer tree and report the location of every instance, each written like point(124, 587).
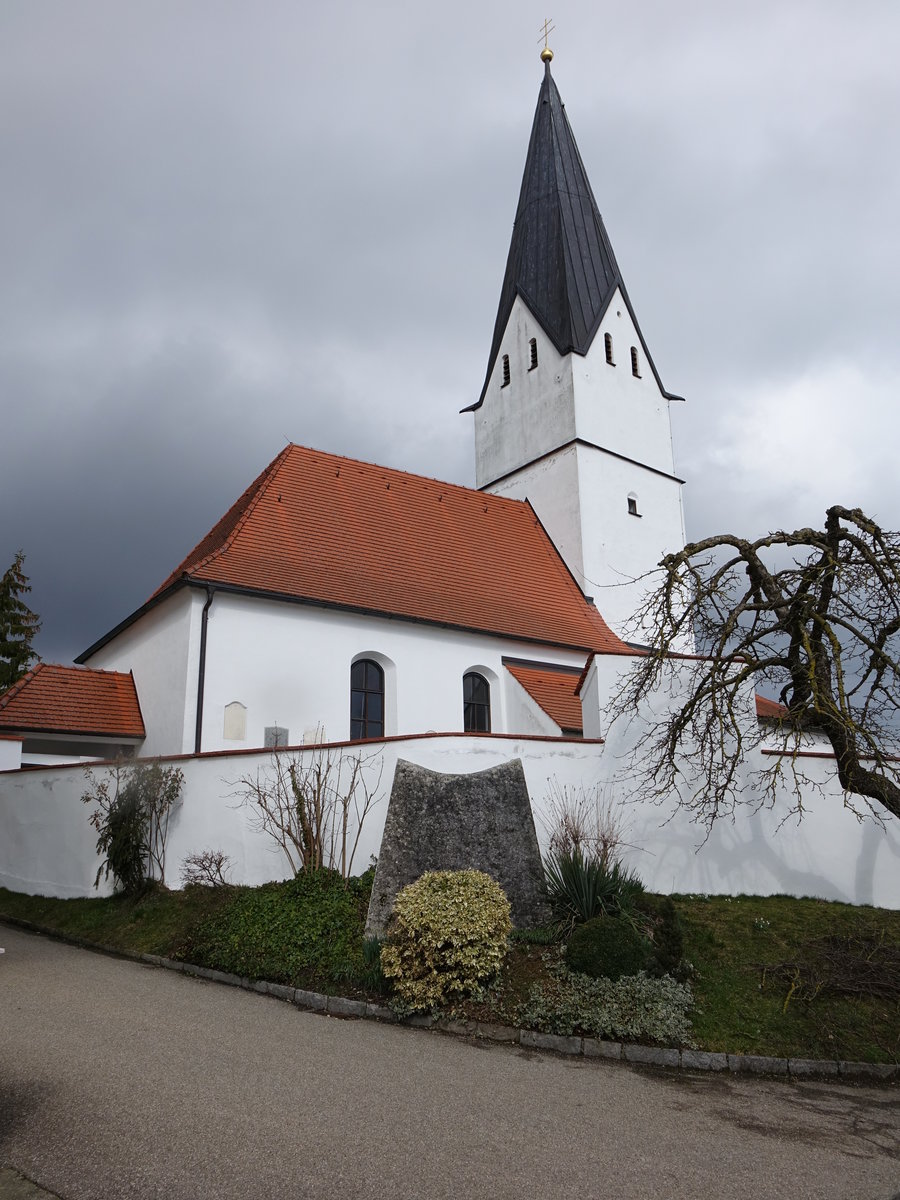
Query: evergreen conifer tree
point(18, 625)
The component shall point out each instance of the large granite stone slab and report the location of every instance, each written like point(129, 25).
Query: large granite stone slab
point(438, 822)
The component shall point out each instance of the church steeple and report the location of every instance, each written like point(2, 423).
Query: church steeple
point(560, 259)
point(573, 415)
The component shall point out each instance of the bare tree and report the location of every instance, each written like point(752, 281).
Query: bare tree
point(813, 618)
point(314, 804)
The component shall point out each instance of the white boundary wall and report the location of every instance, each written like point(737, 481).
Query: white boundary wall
point(48, 847)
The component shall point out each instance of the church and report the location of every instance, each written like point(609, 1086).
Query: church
point(342, 604)
point(342, 600)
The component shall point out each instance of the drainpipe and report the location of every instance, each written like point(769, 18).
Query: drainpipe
point(201, 674)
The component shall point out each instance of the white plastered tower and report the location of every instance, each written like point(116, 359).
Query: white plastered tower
point(573, 416)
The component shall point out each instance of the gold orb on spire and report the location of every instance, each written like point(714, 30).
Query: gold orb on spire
point(546, 53)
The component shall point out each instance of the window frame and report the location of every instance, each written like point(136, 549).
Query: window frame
point(480, 708)
point(364, 726)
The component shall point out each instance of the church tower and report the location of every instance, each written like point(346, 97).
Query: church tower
point(573, 415)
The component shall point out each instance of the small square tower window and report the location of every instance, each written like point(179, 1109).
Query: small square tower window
point(275, 736)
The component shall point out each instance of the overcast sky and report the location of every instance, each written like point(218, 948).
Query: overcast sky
point(224, 226)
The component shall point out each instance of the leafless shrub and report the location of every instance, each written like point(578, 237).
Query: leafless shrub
point(206, 868)
point(579, 819)
point(314, 804)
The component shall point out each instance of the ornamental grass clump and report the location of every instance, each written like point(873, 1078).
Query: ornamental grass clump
point(447, 936)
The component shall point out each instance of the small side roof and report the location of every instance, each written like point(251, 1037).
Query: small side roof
point(553, 689)
point(769, 710)
point(76, 700)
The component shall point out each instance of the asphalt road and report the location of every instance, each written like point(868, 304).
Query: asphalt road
point(123, 1080)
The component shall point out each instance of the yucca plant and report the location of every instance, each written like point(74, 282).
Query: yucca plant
point(582, 887)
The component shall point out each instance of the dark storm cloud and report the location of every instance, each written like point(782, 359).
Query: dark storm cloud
point(223, 228)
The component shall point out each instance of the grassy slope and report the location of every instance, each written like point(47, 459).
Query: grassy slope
point(727, 940)
point(741, 1009)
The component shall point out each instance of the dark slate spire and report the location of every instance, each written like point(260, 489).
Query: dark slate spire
point(560, 259)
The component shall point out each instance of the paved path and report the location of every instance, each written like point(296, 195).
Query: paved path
point(120, 1080)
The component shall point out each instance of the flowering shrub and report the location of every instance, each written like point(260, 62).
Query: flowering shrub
point(447, 935)
point(633, 1008)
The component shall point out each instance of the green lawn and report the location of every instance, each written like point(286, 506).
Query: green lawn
point(309, 933)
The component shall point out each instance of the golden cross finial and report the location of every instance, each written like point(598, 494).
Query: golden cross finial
point(546, 53)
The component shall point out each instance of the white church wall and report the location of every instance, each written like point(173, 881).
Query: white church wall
point(765, 850)
point(525, 714)
point(161, 649)
point(534, 413)
point(49, 847)
point(289, 665)
point(614, 408)
point(621, 549)
point(10, 752)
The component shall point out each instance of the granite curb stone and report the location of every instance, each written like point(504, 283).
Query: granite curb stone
point(688, 1060)
point(496, 1033)
point(339, 1006)
point(598, 1048)
point(550, 1041)
point(757, 1064)
point(314, 1001)
point(653, 1056)
point(801, 1068)
point(863, 1071)
point(703, 1060)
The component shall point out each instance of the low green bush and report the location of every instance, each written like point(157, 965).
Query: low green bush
point(306, 929)
point(608, 947)
point(635, 1008)
point(658, 918)
point(581, 887)
point(447, 935)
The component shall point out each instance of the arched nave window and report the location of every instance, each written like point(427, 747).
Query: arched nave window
point(476, 703)
point(366, 700)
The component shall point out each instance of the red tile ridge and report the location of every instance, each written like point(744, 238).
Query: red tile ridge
point(240, 510)
point(15, 688)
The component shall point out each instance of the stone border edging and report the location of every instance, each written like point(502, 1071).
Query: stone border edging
point(576, 1046)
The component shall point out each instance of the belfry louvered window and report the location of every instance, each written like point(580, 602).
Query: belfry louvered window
point(366, 700)
point(607, 342)
point(505, 381)
point(635, 364)
point(476, 703)
point(532, 353)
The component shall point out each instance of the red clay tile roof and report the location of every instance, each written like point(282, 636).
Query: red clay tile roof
point(554, 690)
point(332, 530)
point(54, 699)
point(769, 710)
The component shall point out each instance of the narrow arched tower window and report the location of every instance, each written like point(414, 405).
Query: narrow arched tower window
point(476, 703)
point(532, 352)
point(505, 382)
point(632, 505)
point(607, 341)
point(366, 700)
point(635, 365)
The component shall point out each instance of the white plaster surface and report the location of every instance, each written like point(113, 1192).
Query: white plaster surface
point(526, 449)
point(49, 847)
point(162, 651)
